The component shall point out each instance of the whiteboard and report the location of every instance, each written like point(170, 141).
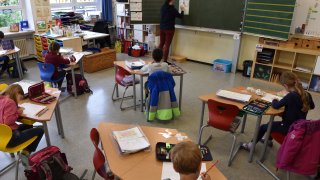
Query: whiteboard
point(307, 12)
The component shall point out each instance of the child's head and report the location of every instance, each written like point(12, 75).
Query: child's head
point(186, 158)
point(1, 35)
point(291, 82)
point(157, 55)
point(14, 92)
point(54, 47)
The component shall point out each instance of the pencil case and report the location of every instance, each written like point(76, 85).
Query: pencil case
point(37, 94)
point(163, 152)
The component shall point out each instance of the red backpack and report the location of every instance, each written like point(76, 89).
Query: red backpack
point(81, 84)
point(49, 164)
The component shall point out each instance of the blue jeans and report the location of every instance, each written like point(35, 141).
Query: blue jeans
point(6, 60)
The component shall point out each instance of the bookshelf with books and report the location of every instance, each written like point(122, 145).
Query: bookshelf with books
point(271, 61)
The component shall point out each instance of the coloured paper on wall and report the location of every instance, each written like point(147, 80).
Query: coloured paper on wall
point(137, 1)
point(313, 20)
point(135, 6)
point(136, 16)
point(186, 5)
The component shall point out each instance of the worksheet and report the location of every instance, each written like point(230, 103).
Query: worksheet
point(186, 4)
point(168, 173)
point(31, 109)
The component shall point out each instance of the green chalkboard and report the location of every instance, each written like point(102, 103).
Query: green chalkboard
point(216, 14)
point(269, 17)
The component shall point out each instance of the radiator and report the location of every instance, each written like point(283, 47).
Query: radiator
point(22, 45)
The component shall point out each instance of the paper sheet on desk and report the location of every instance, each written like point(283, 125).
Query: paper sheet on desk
point(31, 109)
point(270, 97)
point(169, 173)
point(234, 96)
point(3, 52)
point(78, 56)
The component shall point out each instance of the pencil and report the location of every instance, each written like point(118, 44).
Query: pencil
point(213, 165)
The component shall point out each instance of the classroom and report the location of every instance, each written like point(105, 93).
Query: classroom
point(159, 89)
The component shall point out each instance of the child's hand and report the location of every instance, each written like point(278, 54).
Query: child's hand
point(205, 176)
point(72, 59)
point(20, 110)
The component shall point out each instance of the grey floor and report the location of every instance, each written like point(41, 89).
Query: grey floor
point(86, 112)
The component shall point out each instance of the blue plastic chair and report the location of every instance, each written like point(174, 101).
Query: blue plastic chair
point(47, 71)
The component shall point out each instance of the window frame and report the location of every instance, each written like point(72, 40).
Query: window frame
point(74, 3)
point(19, 7)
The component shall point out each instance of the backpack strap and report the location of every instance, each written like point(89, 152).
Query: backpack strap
point(46, 169)
point(62, 163)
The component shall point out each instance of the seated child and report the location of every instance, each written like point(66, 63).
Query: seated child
point(156, 65)
point(55, 58)
point(296, 105)
point(9, 114)
point(186, 158)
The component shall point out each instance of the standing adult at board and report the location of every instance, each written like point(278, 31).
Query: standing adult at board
point(168, 20)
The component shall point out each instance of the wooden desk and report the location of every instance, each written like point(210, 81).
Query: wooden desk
point(15, 53)
point(271, 111)
point(54, 107)
point(141, 165)
point(138, 72)
point(89, 35)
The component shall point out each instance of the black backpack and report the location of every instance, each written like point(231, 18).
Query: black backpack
point(81, 84)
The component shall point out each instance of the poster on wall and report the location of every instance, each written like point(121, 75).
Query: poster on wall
point(315, 83)
point(186, 5)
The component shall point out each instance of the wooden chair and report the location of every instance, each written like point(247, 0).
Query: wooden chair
point(99, 161)
point(5, 136)
point(224, 117)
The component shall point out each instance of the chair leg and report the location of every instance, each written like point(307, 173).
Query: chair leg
point(232, 149)
point(288, 175)
point(94, 174)
point(114, 90)
point(124, 93)
point(200, 134)
point(12, 155)
point(17, 166)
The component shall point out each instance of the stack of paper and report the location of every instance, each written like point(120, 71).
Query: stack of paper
point(135, 64)
point(270, 97)
point(31, 109)
point(131, 140)
point(168, 173)
point(234, 96)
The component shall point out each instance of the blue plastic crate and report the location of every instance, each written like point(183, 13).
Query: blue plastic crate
point(222, 65)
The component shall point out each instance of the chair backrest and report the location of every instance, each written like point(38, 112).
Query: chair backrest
point(98, 157)
point(5, 136)
point(120, 74)
point(221, 115)
point(46, 71)
point(3, 87)
point(278, 137)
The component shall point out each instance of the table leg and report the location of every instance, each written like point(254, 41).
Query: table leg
point(59, 119)
point(244, 122)
point(115, 74)
point(201, 116)
point(46, 133)
point(74, 88)
point(18, 64)
point(141, 91)
point(265, 145)
point(255, 137)
point(180, 93)
point(134, 92)
point(81, 67)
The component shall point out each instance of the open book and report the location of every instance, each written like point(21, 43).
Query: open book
point(131, 140)
point(234, 96)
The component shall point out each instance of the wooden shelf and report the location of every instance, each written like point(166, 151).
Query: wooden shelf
point(264, 64)
point(298, 71)
point(283, 66)
point(296, 50)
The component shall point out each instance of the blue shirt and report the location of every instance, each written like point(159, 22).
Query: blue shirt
point(292, 104)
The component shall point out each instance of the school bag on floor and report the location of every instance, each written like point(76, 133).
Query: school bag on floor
point(49, 164)
point(81, 84)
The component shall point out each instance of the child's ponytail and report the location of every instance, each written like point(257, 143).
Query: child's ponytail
point(292, 81)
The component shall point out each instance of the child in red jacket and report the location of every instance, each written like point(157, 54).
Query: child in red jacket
point(56, 59)
point(9, 114)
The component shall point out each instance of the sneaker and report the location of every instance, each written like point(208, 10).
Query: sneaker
point(246, 146)
point(270, 143)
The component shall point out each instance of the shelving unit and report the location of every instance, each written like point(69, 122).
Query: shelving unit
point(272, 61)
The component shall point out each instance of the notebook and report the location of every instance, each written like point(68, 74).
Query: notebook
point(270, 97)
point(31, 109)
point(131, 140)
point(234, 96)
point(168, 173)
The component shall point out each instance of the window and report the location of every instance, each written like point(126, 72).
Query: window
point(10, 12)
point(84, 7)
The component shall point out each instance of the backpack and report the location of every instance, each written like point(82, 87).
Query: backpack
point(49, 164)
point(81, 84)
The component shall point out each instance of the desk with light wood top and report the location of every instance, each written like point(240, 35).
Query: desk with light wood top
point(271, 111)
point(141, 165)
point(138, 72)
point(53, 107)
point(15, 53)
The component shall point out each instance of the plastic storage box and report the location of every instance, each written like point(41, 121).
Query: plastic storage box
point(222, 65)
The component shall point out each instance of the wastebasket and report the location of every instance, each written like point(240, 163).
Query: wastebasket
point(247, 67)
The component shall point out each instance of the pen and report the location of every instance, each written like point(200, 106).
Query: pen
point(213, 165)
point(42, 112)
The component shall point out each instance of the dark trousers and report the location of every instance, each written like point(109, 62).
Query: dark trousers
point(276, 127)
point(166, 37)
point(23, 134)
point(61, 74)
point(6, 60)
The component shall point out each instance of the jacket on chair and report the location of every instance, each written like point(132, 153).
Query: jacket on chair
point(300, 151)
point(163, 102)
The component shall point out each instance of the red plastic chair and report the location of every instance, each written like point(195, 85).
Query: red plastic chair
point(120, 74)
point(224, 117)
point(99, 160)
point(278, 137)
